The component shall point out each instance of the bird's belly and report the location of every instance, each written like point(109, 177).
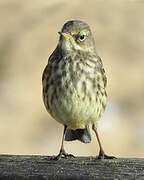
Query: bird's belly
point(77, 108)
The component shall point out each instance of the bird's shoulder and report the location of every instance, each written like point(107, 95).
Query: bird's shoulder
point(101, 69)
point(54, 58)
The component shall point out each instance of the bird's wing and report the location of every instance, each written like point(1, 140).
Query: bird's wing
point(102, 71)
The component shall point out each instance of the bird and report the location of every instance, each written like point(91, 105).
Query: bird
point(74, 85)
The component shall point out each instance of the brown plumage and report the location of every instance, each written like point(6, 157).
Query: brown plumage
point(74, 83)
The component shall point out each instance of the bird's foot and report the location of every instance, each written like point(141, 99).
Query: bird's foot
point(102, 155)
point(62, 154)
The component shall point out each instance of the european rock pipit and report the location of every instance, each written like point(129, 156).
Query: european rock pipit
point(74, 83)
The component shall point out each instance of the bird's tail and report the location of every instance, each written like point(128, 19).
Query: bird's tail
point(82, 135)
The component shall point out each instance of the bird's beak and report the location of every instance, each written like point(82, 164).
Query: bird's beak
point(66, 35)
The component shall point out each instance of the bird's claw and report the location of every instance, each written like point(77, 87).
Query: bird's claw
point(102, 155)
point(62, 155)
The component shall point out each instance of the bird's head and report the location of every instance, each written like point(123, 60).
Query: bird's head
point(76, 35)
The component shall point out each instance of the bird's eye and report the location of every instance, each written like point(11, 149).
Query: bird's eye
point(82, 37)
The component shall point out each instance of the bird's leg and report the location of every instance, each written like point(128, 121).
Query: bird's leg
point(62, 152)
point(101, 155)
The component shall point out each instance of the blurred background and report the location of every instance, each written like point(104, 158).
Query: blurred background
point(28, 35)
